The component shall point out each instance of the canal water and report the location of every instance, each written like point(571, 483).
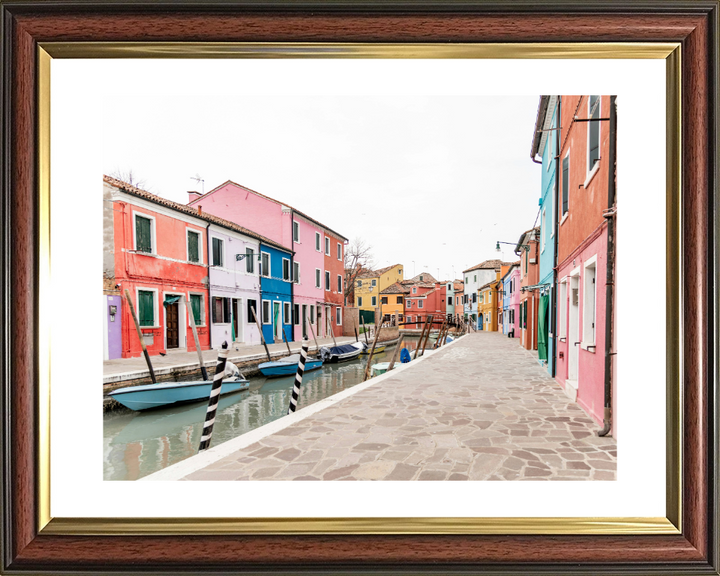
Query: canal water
point(136, 444)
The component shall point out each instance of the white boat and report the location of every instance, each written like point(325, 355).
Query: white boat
point(335, 354)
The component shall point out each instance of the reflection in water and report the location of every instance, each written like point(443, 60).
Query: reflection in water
point(136, 444)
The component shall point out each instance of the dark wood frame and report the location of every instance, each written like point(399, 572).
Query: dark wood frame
point(693, 23)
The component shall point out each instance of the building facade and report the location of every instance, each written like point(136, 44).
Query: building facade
point(473, 278)
point(368, 286)
point(527, 249)
point(275, 306)
point(334, 278)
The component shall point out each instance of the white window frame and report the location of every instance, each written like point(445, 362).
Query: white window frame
point(296, 272)
point(590, 171)
point(262, 312)
point(189, 231)
point(289, 265)
point(153, 236)
point(327, 246)
point(318, 278)
point(408, 303)
point(222, 251)
point(287, 313)
point(318, 242)
point(414, 290)
point(156, 319)
point(562, 312)
point(339, 251)
point(340, 283)
point(373, 282)
point(560, 167)
point(262, 268)
point(296, 317)
point(296, 228)
point(589, 335)
point(202, 308)
point(338, 316)
point(420, 304)
point(551, 200)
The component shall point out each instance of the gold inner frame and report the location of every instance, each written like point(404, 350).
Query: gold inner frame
point(175, 526)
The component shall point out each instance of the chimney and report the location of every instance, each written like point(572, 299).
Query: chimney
point(192, 196)
point(199, 209)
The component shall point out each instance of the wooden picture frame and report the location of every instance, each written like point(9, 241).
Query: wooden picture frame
point(31, 543)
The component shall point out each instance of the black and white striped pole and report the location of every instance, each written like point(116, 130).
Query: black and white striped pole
point(298, 377)
point(214, 398)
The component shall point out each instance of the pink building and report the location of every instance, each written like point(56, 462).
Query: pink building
point(511, 302)
point(292, 229)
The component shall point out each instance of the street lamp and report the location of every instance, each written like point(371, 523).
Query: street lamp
point(523, 246)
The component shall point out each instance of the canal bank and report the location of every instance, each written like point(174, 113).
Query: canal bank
point(184, 366)
point(480, 408)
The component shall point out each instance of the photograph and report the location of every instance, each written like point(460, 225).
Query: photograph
point(263, 254)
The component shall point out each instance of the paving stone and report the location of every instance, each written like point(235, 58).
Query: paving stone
point(403, 472)
point(432, 475)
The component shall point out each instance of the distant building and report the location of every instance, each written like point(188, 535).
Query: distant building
point(527, 249)
point(392, 302)
point(425, 297)
point(473, 278)
point(368, 286)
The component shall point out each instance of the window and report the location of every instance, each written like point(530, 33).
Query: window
point(317, 277)
point(286, 269)
point(482, 297)
point(467, 279)
point(373, 283)
point(338, 316)
point(420, 303)
point(252, 310)
point(193, 246)
point(217, 252)
point(474, 277)
point(589, 306)
point(399, 300)
point(549, 203)
point(146, 308)
point(327, 280)
point(296, 232)
point(265, 264)
point(457, 300)
point(286, 313)
point(221, 310)
point(296, 272)
point(339, 251)
point(474, 298)
point(565, 182)
point(296, 314)
point(414, 290)
point(340, 283)
point(373, 301)
point(327, 246)
point(249, 260)
point(383, 300)
point(408, 303)
point(489, 296)
point(359, 283)
point(143, 234)
point(317, 241)
point(196, 302)
point(266, 318)
point(421, 278)
point(562, 312)
point(359, 301)
point(593, 132)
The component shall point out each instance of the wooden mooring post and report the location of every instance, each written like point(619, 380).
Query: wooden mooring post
point(317, 346)
point(422, 335)
point(372, 351)
point(396, 354)
point(285, 340)
point(191, 315)
point(427, 337)
point(262, 338)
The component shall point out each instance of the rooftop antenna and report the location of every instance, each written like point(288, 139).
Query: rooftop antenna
point(199, 180)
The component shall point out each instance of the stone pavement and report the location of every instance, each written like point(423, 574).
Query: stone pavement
point(480, 409)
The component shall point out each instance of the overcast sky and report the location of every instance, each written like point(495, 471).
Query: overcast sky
point(431, 182)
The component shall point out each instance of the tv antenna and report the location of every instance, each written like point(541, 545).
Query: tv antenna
point(199, 180)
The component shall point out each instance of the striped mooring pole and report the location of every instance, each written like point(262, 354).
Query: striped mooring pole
point(298, 377)
point(214, 398)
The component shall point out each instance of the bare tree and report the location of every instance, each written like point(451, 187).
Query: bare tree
point(131, 178)
point(358, 259)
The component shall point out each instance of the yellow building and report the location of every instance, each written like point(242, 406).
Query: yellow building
point(368, 286)
point(487, 305)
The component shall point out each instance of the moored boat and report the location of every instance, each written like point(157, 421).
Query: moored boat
point(335, 354)
point(171, 393)
point(288, 366)
point(378, 349)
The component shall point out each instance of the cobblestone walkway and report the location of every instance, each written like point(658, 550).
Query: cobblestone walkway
point(482, 409)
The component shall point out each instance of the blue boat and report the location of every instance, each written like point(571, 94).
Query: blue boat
point(288, 366)
point(171, 393)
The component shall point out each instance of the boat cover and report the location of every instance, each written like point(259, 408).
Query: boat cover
point(405, 356)
point(326, 352)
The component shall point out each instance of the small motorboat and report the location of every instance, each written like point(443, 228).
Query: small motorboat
point(288, 366)
point(172, 393)
point(380, 368)
point(335, 354)
point(378, 349)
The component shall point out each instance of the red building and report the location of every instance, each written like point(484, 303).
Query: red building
point(424, 298)
point(334, 281)
point(156, 249)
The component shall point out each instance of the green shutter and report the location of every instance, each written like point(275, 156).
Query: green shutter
point(146, 308)
point(196, 307)
point(249, 260)
point(143, 241)
point(217, 252)
point(193, 247)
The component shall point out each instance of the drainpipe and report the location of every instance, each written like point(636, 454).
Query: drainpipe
point(556, 202)
point(292, 275)
point(207, 261)
point(610, 215)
